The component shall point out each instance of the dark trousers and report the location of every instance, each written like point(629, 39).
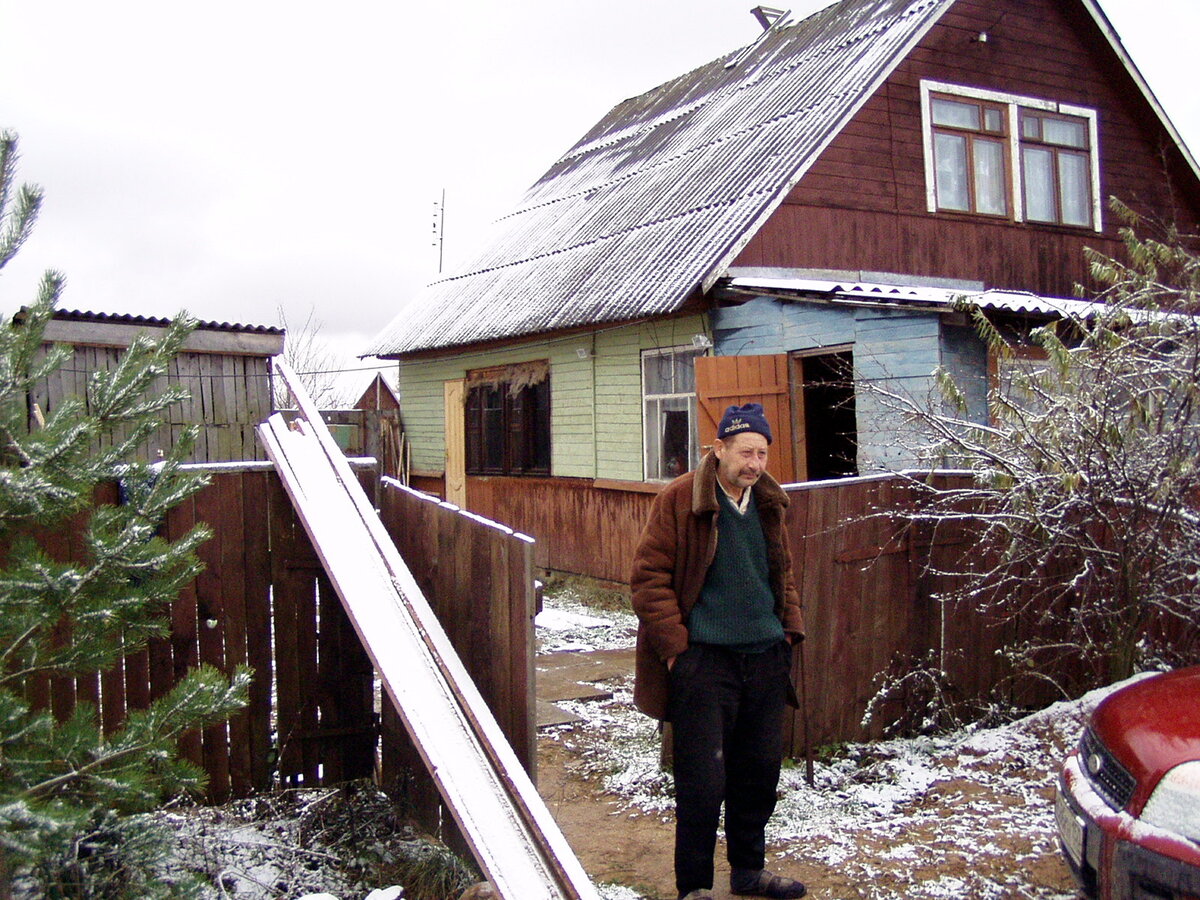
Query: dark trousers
point(726, 713)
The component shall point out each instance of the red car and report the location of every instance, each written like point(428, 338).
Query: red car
point(1128, 802)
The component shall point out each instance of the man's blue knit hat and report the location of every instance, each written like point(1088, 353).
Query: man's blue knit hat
point(744, 418)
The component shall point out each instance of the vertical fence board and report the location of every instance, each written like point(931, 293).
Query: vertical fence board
point(185, 650)
point(211, 626)
point(309, 674)
point(256, 515)
point(348, 732)
point(230, 492)
point(287, 580)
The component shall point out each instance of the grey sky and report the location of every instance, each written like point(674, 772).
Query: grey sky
point(237, 156)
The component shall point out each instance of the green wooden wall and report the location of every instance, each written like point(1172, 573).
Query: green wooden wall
point(595, 397)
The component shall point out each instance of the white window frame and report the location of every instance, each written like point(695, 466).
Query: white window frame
point(654, 428)
point(1015, 104)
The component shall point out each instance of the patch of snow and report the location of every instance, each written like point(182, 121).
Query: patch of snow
point(617, 892)
point(562, 620)
point(566, 624)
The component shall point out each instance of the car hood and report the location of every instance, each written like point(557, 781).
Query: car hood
point(1152, 726)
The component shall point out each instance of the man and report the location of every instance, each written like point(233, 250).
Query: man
point(718, 613)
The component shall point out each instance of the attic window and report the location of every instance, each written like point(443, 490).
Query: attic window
point(508, 420)
point(1003, 155)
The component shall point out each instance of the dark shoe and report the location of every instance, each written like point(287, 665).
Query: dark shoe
point(748, 883)
point(698, 894)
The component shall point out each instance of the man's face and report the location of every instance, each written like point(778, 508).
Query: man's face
point(741, 459)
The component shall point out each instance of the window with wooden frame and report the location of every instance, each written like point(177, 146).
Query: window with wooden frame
point(508, 420)
point(970, 150)
point(994, 154)
point(1056, 165)
point(672, 445)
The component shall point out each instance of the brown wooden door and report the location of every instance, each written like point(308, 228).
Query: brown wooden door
point(725, 380)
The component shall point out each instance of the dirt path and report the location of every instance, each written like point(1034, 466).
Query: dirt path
point(962, 837)
point(635, 849)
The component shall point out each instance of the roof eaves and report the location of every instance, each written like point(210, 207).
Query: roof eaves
point(1118, 47)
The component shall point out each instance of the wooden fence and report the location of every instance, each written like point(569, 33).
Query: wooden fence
point(581, 525)
point(869, 604)
point(478, 578)
point(870, 589)
point(264, 600)
point(869, 593)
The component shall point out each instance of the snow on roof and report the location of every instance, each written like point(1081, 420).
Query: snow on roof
point(651, 203)
point(649, 208)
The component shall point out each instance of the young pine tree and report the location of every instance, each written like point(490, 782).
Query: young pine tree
point(69, 790)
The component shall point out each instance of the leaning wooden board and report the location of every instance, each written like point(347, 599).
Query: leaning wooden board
point(514, 839)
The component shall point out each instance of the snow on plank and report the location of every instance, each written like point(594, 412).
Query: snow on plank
point(511, 833)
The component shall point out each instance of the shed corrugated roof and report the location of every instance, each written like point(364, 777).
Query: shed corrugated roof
point(651, 203)
point(938, 299)
point(78, 315)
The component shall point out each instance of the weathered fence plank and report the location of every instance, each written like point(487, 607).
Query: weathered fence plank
point(456, 559)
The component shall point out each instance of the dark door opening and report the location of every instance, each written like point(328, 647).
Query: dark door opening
point(830, 426)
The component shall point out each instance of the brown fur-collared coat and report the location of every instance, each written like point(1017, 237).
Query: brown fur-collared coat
point(671, 563)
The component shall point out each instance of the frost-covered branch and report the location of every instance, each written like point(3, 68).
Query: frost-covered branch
point(1083, 512)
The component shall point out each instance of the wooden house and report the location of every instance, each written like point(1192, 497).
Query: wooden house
point(805, 206)
point(226, 368)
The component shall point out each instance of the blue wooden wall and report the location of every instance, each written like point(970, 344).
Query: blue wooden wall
point(895, 350)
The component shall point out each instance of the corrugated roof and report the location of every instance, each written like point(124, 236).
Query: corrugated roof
point(934, 298)
point(78, 315)
point(652, 201)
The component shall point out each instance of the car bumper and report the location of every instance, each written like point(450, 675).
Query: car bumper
point(1115, 856)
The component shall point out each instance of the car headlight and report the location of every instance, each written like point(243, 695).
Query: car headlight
point(1175, 803)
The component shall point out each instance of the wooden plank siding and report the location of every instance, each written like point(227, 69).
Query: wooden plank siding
point(595, 401)
point(862, 205)
point(229, 395)
point(899, 349)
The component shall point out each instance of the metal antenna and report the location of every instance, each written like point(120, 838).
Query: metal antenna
point(439, 227)
point(767, 16)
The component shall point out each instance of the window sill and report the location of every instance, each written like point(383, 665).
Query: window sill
point(985, 219)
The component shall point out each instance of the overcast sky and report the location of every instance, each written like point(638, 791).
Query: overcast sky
point(237, 156)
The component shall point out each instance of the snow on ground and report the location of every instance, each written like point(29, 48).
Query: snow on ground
point(966, 814)
point(961, 815)
point(566, 623)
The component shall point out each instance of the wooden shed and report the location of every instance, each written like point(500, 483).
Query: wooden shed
point(226, 368)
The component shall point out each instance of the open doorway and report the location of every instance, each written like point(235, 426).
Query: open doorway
point(826, 419)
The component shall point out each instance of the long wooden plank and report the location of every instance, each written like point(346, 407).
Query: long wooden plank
point(510, 831)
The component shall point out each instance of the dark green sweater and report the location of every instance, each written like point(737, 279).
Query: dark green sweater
point(736, 608)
